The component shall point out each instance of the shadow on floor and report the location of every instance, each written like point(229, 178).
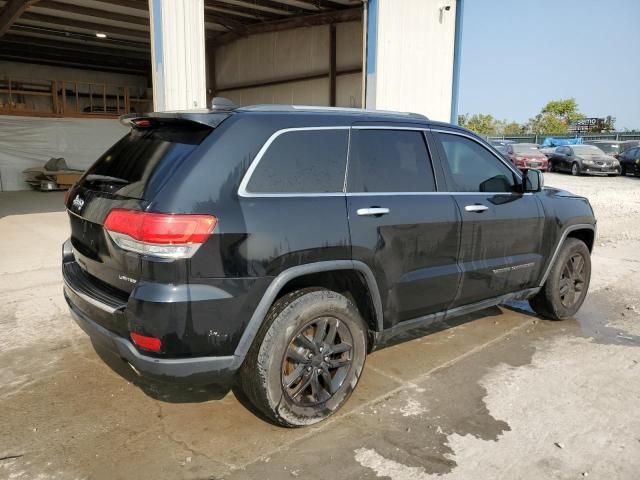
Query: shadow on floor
point(29, 201)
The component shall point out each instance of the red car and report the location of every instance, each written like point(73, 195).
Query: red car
point(527, 155)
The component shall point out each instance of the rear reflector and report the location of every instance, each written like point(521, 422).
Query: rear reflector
point(148, 343)
point(159, 234)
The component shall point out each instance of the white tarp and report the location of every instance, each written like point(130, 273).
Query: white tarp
point(29, 142)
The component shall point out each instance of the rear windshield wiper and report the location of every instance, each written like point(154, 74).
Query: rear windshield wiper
point(94, 177)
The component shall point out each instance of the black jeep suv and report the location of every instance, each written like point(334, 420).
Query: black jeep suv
point(270, 248)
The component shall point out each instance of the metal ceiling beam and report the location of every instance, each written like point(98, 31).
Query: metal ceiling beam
point(223, 7)
point(65, 37)
point(11, 12)
point(339, 16)
point(63, 8)
point(33, 43)
point(263, 6)
point(90, 26)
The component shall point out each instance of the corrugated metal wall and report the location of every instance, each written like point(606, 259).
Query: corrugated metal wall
point(415, 52)
point(298, 53)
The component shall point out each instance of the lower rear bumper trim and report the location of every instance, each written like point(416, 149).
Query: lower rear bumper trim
point(195, 370)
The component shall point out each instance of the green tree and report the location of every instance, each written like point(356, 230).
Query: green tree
point(609, 124)
point(546, 123)
point(480, 123)
point(555, 117)
point(512, 128)
point(566, 110)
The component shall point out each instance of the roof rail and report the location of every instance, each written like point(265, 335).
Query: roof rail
point(313, 108)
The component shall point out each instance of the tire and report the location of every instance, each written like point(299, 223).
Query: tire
point(575, 169)
point(552, 167)
point(289, 349)
point(623, 170)
point(549, 302)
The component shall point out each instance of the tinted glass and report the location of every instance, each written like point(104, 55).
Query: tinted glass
point(586, 150)
point(389, 161)
point(472, 168)
point(143, 159)
point(305, 161)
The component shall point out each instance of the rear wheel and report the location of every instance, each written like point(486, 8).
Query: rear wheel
point(566, 287)
point(575, 169)
point(307, 358)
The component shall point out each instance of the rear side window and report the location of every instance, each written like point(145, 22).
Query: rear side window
point(144, 158)
point(302, 161)
point(389, 161)
point(472, 168)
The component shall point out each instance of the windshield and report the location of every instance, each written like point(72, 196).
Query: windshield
point(609, 147)
point(586, 150)
point(526, 148)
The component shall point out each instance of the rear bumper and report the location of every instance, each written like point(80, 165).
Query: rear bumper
point(196, 370)
point(108, 317)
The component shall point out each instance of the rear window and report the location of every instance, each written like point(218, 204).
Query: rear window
point(142, 160)
point(302, 161)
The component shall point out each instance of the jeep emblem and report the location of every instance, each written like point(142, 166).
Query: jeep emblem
point(77, 203)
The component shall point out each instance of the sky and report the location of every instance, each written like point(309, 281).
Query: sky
point(519, 54)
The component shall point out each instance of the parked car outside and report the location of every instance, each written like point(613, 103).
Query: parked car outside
point(501, 146)
point(583, 159)
point(609, 147)
point(630, 162)
point(547, 151)
point(527, 155)
point(269, 249)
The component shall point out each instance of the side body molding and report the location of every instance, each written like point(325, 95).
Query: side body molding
point(281, 280)
point(563, 237)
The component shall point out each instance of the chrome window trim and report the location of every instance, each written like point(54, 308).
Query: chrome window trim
point(371, 194)
point(385, 127)
point(242, 189)
point(470, 137)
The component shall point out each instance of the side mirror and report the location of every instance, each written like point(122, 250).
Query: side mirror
point(532, 180)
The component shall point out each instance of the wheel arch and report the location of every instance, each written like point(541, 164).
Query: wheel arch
point(336, 273)
point(584, 232)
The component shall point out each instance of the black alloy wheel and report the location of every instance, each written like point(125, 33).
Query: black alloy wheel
point(572, 281)
point(317, 361)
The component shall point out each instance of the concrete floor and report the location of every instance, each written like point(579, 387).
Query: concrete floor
point(501, 394)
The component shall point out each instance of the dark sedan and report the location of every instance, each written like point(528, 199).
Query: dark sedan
point(630, 162)
point(583, 159)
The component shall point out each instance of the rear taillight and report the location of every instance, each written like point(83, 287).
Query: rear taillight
point(152, 344)
point(159, 234)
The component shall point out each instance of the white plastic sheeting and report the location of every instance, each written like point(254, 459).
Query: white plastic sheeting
point(29, 142)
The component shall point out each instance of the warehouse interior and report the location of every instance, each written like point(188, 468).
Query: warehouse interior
point(63, 62)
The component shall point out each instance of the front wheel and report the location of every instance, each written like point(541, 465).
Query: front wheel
point(566, 287)
point(307, 358)
point(623, 170)
point(575, 169)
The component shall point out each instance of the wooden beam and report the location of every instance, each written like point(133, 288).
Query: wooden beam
point(60, 22)
point(63, 8)
point(332, 65)
point(346, 15)
point(11, 12)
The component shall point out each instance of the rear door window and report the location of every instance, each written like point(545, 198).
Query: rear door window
point(389, 161)
point(302, 161)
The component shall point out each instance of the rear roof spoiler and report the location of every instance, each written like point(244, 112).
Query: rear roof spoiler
point(210, 118)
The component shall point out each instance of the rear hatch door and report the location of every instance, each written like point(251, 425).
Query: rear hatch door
point(127, 176)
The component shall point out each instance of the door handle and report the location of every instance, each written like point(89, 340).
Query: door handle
point(476, 208)
point(373, 211)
